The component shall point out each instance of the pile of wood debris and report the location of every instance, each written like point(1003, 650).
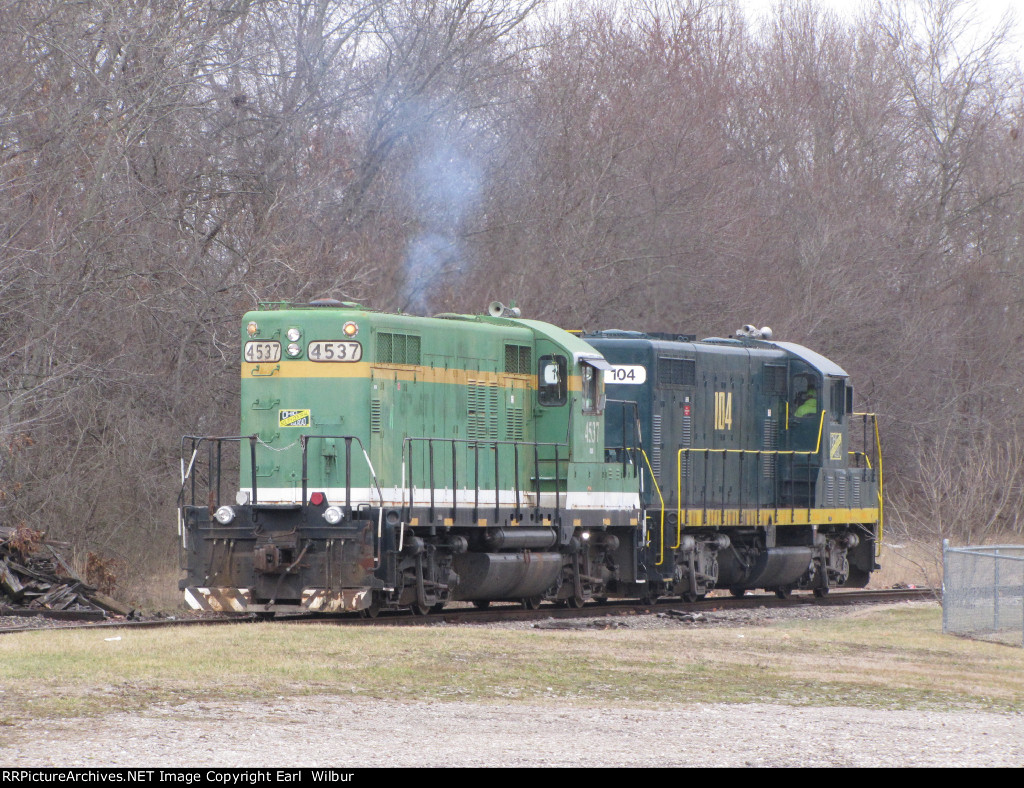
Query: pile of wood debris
point(36, 580)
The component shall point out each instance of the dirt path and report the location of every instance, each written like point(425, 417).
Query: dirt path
point(338, 732)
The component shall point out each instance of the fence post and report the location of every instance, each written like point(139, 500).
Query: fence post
point(945, 599)
point(995, 592)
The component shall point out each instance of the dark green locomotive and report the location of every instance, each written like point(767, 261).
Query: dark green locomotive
point(763, 476)
point(393, 461)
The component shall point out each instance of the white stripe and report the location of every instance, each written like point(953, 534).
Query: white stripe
point(393, 496)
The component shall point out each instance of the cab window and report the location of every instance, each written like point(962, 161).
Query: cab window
point(837, 403)
point(593, 389)
point(552, 383)
point(806, 396)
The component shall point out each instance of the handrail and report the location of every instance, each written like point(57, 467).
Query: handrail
point(304, 441)
point(881, 481)
point(198, 440)
point(407, 443)
point(778, 453)
point(881, 527)
point(657, 489)
point(476, 444)
point(723, 452)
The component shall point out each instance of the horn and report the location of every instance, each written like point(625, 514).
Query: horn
point(495, 309)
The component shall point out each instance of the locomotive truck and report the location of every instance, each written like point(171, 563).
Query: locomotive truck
point(390, 461)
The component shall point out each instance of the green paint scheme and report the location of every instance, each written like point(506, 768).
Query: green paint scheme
point(463, 382)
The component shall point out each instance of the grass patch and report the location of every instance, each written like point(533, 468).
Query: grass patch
point(891, 658)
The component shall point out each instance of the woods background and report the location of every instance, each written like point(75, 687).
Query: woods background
point(855, 183)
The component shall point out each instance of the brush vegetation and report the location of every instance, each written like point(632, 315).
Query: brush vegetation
point(890, 658)
point(854, 181)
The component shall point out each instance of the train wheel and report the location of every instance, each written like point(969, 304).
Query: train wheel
point(481, 604)
point(738, 591)
point(419, 610)
point(575, 602)
point(689, 596)
point(821, 592)
point(531, 602)
point(784, 592)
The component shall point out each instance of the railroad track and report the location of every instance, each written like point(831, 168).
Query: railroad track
point(507, 612)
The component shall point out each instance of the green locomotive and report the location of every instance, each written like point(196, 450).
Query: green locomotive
point(393, 461)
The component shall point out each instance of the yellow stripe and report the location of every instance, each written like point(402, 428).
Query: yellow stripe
point(696, 518)
point(365, 370)
point(359, 369)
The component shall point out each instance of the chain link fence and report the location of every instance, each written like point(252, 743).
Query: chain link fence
point(983, 592)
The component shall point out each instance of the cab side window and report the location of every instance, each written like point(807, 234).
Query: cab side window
point(593, 389)
point(806, 396)
point(837, 404)
point(552, 380)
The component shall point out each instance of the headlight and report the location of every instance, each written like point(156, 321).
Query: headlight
point(224, 515)
point(332, 514)
point(294, 350)
point(350, 329)
point(293, 334)
point(252, 328)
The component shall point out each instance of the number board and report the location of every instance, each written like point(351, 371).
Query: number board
point(625, 375)
point(335, 350)
point(256, 352)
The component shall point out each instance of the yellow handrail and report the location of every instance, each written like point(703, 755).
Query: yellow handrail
point(657, 488)
point(679, 465)
point(878, 443)
point(878, 449)
point(862, 454)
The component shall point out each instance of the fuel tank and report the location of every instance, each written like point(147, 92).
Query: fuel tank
point(505, 575)
point(776, 566)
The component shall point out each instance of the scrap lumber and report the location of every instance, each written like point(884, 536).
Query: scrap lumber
point(35, 579)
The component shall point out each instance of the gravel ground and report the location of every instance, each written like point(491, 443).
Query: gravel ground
point(358, 732)
point(344, 733)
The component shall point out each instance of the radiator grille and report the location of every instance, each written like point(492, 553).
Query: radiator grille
point(481, 411)
point(686, 436)
point(518, 360)
point(398, 349)
point(514, 424)
point(676, 371)
point(770, 442)
point(656, 445)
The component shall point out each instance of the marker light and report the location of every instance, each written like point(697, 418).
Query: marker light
point(294, 350)
point(350, 329)
point(317, 499)
point(293, 334)
point(224, 515)
point(332, 514)
point(252, 329)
